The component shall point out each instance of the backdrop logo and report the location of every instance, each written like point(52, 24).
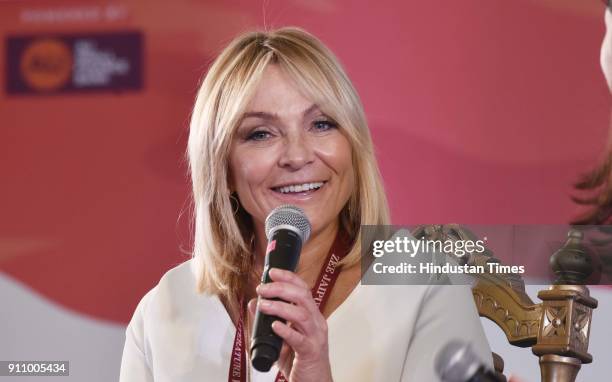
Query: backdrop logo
point(46, 64)
point(50, 64)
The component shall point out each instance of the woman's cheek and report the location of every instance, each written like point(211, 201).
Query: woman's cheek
point(335, 149)
point(250, 168)
point(337, 155)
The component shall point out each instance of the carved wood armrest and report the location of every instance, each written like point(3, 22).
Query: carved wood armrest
point(558, 328)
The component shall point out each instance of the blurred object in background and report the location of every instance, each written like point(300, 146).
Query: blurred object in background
point(596, 186)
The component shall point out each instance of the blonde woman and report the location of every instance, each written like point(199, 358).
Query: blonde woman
point(277, 121)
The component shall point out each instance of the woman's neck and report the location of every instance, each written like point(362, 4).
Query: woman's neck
point(313, 253)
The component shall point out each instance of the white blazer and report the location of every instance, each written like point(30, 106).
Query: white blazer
point(379, 333)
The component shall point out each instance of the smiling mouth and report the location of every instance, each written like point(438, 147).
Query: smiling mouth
point(300, 188)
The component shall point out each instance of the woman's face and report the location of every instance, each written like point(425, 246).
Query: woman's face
point(286, 151)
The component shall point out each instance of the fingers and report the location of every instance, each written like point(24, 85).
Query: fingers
point(289, 287)
point(293, 338)
point(278, 274)
point(285, 359)
point(306, 329)
point(305, 334)
point(309, 348)
point(252, 307)
point(297, 305)
point(288, 293)
point(296, 314)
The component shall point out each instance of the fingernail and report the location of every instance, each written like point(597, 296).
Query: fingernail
point(264, 303)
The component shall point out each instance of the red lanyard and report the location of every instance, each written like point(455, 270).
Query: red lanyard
point(325, 282)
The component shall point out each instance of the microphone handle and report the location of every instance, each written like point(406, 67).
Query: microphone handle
point(284, 249)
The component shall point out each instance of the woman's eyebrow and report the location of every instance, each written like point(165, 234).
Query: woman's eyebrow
point(273, 116)
point(260, 114)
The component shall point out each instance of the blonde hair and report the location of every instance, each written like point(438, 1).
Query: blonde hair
point(223, 234)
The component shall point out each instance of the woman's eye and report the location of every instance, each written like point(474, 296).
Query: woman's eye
point(324, 125)
point(258, 135)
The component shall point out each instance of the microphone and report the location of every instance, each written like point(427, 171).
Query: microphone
point(287, 229)
point(457, 362)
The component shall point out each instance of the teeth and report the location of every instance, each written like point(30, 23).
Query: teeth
point(300, 187)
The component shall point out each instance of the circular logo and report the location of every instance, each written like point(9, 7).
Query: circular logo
point(46, 64)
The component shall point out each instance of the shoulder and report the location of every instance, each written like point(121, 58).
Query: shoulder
point(173, 325)
point(174, 298)
point(174, 286)
point(423, 305)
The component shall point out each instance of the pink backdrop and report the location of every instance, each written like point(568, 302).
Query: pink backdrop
point(482, 111)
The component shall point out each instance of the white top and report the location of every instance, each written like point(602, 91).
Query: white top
point(379, 333)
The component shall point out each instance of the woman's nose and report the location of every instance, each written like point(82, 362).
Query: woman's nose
point(297, 153)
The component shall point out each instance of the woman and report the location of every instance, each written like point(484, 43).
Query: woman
point(277, 121)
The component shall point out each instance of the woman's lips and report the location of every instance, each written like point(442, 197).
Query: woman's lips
point(299, 187)
point(297, 196)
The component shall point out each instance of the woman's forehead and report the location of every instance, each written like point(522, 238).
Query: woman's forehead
point(276, 89)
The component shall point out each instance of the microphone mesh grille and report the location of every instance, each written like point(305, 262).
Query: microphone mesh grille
point(289, 215)
point(456, 362)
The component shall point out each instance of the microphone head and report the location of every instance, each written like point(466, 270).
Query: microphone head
point(457, 362)
point(291, 217)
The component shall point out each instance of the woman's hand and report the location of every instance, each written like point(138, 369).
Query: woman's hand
point(305, 355)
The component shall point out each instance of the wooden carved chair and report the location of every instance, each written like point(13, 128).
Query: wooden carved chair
point(556, 329)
